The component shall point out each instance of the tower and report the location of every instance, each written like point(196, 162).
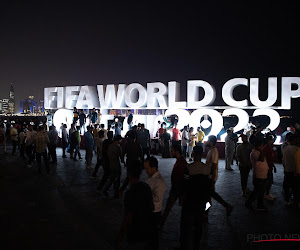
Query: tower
point(11, 102)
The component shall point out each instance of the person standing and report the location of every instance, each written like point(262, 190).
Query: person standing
point(75, 144)
point(158, 188)
point(14, 138)
point(184, 141)
point(166, 144)
point(53, 137)
point(75, 116)
point(82, 121)
point(134, 153)
point(104, 130)
point(117, 126)
point(288, 161)
point(199, 138)
point(129, 119)
point(22, 143)
point(29, 148)
point(64, 139)
point(212, 161)
point(243, 156)
point(94, 116)
point(260, 173)
point(99, 116)
point(176, 135)
point(177, 181)
point(229, 149)
point(3, 137)
point(71, 131)
point(271, 156)
point(144, 140)
point(138, 223)
point(192, 143)
point(41, 141)
point(89, 145)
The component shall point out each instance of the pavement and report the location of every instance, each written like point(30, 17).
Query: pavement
point(63, 211)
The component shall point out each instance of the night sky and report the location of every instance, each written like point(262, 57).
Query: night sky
point(46, 44)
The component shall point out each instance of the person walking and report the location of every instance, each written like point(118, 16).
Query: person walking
point(82, 121)
point(114, 155)
point(106, 168)
point(41, 141)
point(158, 188)
point(75, 140)
point(89, 145)
point(53, 137)
point(196, 195)
point(229, 149)
point(138, 224)
point(212, 161)
point(177, 181)
point(99, 143)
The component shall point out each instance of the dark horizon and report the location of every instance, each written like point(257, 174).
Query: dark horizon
point(49, 44)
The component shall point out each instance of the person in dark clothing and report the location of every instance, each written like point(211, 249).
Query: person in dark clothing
point(75, 116)
point(105, 165)
point(99, 144)
point(134, 154)
point(177, 181)
point(138, 224)
point(129, 119)
point(196, 194)
point(82, 120)
point(166, 144)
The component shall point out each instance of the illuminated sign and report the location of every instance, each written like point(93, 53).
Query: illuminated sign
point(157, 95)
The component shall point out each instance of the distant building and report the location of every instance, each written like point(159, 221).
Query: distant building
point(11, 100)
point(31, 106)
point(5, 106)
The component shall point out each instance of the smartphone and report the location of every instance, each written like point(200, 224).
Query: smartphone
point(207, 206)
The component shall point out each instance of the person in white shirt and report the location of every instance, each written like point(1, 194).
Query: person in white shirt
point(184, 140)
point(158, 188)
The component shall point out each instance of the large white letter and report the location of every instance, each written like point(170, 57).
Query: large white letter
point(227, 92)
point(87, 98)
point(216, 118)
point(71, 96)
point(273, 114)
point(286, 91)
point(135, 96)
point(158, 98)
point(272, 92)
point(54, 97)
point(174, 95)
point(183, 116)
point(193, 94)
point(112, 100)
point(242, 116)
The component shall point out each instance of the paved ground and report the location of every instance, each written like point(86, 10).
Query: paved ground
point(63, 211)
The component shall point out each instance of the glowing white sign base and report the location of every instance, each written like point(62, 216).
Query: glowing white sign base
point(184, 118)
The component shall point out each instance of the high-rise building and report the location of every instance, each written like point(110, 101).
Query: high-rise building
point(11, 102)
point(5, 105)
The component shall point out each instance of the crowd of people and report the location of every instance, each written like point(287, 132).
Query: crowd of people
point(192, 181)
